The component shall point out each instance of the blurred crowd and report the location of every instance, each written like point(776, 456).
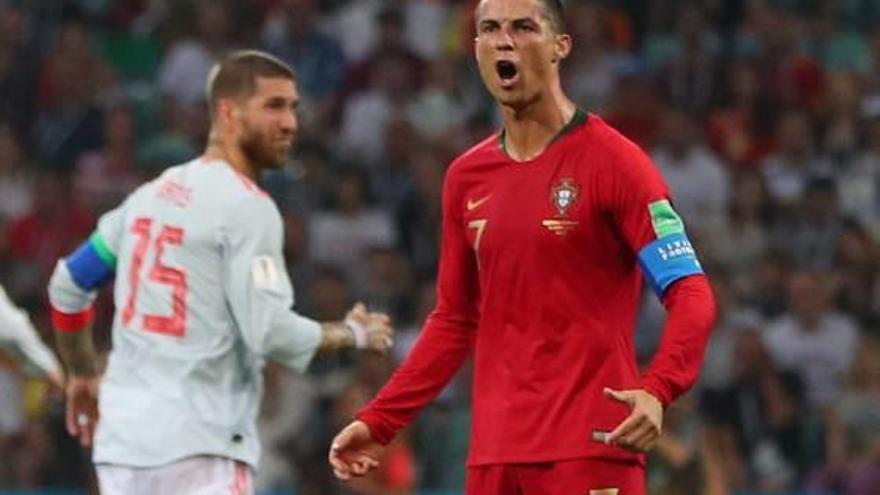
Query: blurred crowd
point(763, 115)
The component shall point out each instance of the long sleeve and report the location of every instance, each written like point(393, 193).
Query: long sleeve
point(655, 233)
point(258, 289)
point(690, 316)
point(447, 337)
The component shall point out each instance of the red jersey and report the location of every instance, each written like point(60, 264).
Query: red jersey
point(540, 277)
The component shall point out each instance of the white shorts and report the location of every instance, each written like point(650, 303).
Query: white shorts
point(202, 475)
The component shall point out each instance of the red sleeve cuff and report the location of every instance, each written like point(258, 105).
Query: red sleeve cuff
point(656, 388)
point(378, 430)
point(72, 322)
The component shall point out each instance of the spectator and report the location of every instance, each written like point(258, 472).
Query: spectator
point(50, 229)
point(18, 68)
point(810, 233)
point(343, 235)
point(795, 78)
point(390, 42)
point(367, 114)
point(16, 176)
point(440, 110)
point(389, 283)
point(104, 177)
point(812, 340)
point(858, 184)
point(696, 178)
point(854, 429)
point(184, 128)
point(317, 58)
point(740, 128)
point(189, 60)
point(794, 162)
point(392, 182)
point(591, 71)
point(284, 417)
point(855, 274)
point(417, 216)
point(743, 236)
point(754, 431)
point(674, 468)
point(69, 119)
point(689, 78)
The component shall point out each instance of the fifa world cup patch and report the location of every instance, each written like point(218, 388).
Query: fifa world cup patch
point(563, 195)
point(265, 273)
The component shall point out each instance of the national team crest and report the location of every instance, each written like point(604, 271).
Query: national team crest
point(563, 195)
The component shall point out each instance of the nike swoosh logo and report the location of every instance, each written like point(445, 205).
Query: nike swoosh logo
point(474, 204)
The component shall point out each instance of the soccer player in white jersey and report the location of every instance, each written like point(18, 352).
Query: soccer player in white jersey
point(202, 297)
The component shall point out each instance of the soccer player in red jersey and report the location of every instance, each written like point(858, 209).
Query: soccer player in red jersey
point(548, 229)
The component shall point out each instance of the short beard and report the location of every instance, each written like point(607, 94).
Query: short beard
point(257, 152)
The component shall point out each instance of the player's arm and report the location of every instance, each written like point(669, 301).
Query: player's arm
point(260, 296)
point(645, 217)
point(16, 327)
point(361, 329)
point(446, 340)
point(72, 291)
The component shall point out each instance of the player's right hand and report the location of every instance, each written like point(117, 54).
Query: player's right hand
point(377, 332)
point(81, 414)
point(353, 452)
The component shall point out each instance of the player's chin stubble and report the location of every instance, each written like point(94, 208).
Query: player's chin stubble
point(260, 153)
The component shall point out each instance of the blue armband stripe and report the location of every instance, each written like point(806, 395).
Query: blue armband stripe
point(89, 269)
point(668, 259)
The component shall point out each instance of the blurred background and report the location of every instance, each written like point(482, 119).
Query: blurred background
point(764, 117)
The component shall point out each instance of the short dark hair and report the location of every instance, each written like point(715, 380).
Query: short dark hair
point(236, 74)
point(556, 14)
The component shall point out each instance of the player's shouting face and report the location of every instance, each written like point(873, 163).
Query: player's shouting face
point(267, 122)
point(519, 46)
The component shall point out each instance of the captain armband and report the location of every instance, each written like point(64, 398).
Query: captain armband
point(669, 259)
point(74, 282)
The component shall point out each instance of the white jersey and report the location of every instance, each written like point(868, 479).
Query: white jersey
point(202, 296)
point(18, 334)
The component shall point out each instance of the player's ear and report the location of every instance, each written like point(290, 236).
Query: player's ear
point(228, 111)
point(562, 47)
point(222, 110)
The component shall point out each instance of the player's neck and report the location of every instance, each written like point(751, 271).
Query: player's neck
point(219, 149)
point(529, 130)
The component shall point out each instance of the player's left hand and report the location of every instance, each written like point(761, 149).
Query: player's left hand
point(641, 429)
point(354, 452)
point(81, 414)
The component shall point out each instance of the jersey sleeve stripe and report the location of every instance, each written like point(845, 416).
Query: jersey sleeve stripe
point(103, 250)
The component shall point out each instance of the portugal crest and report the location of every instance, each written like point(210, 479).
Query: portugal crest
point(563, 195)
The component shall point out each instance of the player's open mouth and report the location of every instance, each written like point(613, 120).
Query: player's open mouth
point(507, 72)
